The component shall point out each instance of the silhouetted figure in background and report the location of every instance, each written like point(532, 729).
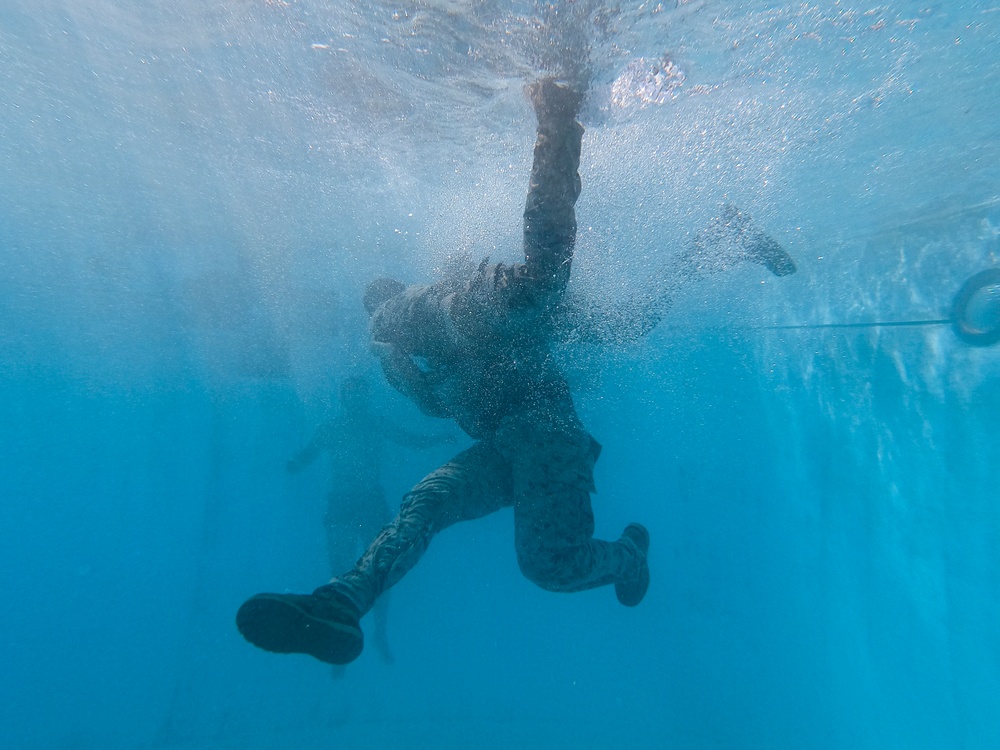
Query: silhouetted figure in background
point(477, 350)
point(354, 441)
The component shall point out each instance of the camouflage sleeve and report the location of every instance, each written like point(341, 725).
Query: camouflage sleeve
point(549, 214)
point(405, 376)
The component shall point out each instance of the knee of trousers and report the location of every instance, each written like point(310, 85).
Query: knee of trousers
point(427, 501)
point(548, 568)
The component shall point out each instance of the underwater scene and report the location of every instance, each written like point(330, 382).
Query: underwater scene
point(675, 326)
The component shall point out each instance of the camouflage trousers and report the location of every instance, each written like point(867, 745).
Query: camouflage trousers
point(540, 466)
point(353, 515)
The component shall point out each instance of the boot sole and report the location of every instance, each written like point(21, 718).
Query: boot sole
point(280, 626)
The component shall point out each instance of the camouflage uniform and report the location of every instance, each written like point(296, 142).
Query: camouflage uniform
point(477, 351)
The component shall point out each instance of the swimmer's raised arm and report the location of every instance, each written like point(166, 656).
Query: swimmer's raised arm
point(554, 186)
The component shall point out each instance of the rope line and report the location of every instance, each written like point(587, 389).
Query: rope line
point(874, 324)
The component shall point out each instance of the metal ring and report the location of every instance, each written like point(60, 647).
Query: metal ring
point(964, 328)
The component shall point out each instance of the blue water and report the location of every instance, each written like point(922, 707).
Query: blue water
point(192, 197)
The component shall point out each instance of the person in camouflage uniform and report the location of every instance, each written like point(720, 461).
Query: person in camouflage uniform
point(477, 350)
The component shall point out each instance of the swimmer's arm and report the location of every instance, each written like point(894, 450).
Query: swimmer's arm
point(729, 240)
point(404, 375)
point(311, 452)
point(553, 187)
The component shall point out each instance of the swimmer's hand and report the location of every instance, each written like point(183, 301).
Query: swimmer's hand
point(554, 101)
point(405, 376)
point(756, 246)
